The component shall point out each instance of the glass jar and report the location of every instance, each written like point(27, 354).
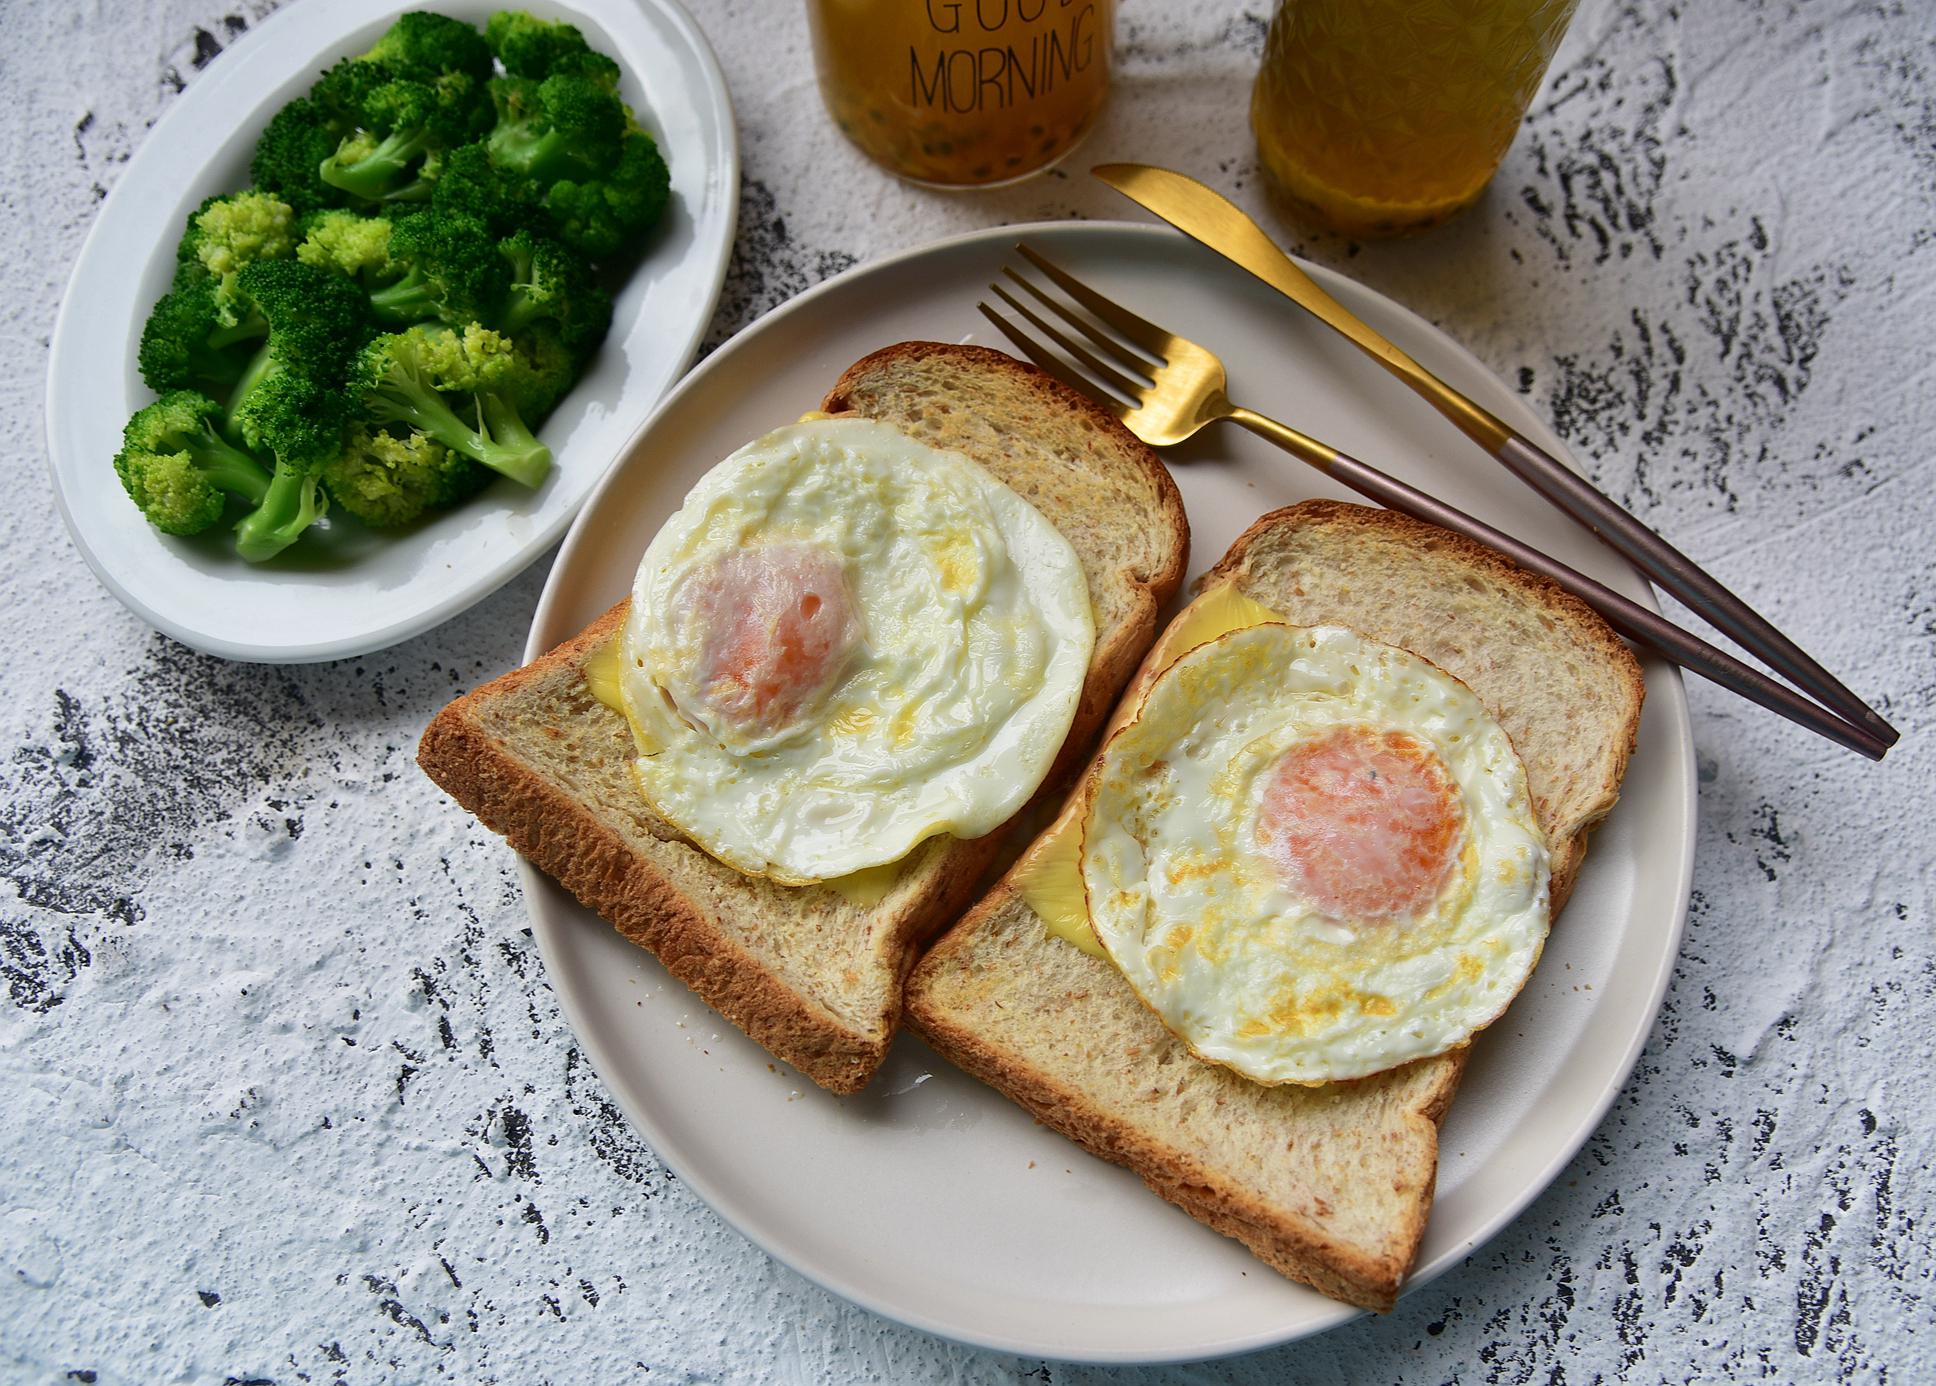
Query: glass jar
point(1381, 116)
point(963, 93)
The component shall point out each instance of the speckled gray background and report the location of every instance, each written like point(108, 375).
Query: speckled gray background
point(286, 1095)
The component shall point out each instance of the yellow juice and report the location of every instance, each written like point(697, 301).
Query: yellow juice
point(962, 93)
point(1382, 116)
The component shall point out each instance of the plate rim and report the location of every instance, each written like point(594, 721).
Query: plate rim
point(723, 168)
point(537, 885)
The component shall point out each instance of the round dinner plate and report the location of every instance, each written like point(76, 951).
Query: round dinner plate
point(932, 1199)
point(347, 590)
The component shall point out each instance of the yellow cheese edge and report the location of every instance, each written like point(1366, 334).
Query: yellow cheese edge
point(1049, 874)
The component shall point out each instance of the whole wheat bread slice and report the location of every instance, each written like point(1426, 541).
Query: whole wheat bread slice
point(1331, 1186)
point(813, 977)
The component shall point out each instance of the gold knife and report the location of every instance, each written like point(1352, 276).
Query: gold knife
point(1205, 215)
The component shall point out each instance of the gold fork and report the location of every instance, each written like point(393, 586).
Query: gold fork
point(1166, 388)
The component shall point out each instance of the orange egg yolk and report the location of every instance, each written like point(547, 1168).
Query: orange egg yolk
point(1363, 824)
point(779, 625)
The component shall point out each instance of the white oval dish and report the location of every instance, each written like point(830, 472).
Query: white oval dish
point(351, 591)
point(930, 1198)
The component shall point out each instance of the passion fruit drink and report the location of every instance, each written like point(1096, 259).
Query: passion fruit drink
point(1376, 117)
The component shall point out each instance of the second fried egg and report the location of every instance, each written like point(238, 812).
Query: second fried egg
point(1315, 856)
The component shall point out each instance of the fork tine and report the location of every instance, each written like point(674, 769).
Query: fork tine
point(1141, 331)
point(1123, 357)
point(1053, 366)
point(1116, 380)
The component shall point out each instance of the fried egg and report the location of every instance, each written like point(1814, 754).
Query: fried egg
point(844, 643)
point(1314, 856)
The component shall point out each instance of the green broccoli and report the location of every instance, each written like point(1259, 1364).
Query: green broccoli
point(427, 265)
point(604, 216)
point(179, 470)
point(562, 127)
point(551, 285)
point(343, 88)
point(289, 156)
point(422, 47)
point(386, 480)
point(402, 130)
point(470, 183)
point(571, 147)
point(196, 339)
point(445, 54)
point(403, 378)
point(537, 48)
point(298, 422)
point(186, 345)
point(443, 265)
point(349, 243)
point(228, 232)
point(313, 322)
point(550, 368)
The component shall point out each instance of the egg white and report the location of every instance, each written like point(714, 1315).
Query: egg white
point(1203, 925)
point(976, 638)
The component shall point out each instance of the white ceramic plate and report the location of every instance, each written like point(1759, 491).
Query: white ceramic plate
point(350, 591)
point(930, 1198)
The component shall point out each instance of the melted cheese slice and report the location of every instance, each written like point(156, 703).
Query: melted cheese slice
point(1049, 874)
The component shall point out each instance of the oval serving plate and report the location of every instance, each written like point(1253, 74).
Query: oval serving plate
point(932, 1199)
point(349, 591)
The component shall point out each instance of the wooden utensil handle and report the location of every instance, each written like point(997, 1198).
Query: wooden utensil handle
point(1680, 575)
point(1636, 622)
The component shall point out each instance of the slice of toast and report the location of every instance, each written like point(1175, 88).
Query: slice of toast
point(1331, 1185)
point(808, 972)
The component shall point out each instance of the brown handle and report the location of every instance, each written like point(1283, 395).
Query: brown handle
point(1631, 619)
point(1680, 575)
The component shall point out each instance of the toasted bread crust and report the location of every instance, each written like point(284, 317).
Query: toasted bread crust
point(1290, 1240)
point(551, 828)
point(1000, 948)
point(703, 943)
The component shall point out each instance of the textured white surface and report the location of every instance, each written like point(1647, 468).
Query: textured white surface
point(288, 1099)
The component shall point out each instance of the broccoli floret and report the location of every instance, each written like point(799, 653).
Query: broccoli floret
point(352, 245)
point(427, 265)
point(442, 265)
point(385, 480)
point(229, 232)
point(470, 183)
point(179, 470)
point(310, 130)
point(289, 157)
point(422, 46)
point(313, 320)
point(310, 317)
point(186, 345)
point(562, 127)
point(298, 422)
point(570, 146)
point(551, 369)
point(402, 129)
point(403, 379)
point(537, 48)
point(551, 285)
point(344, 87)
point(604, 217)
